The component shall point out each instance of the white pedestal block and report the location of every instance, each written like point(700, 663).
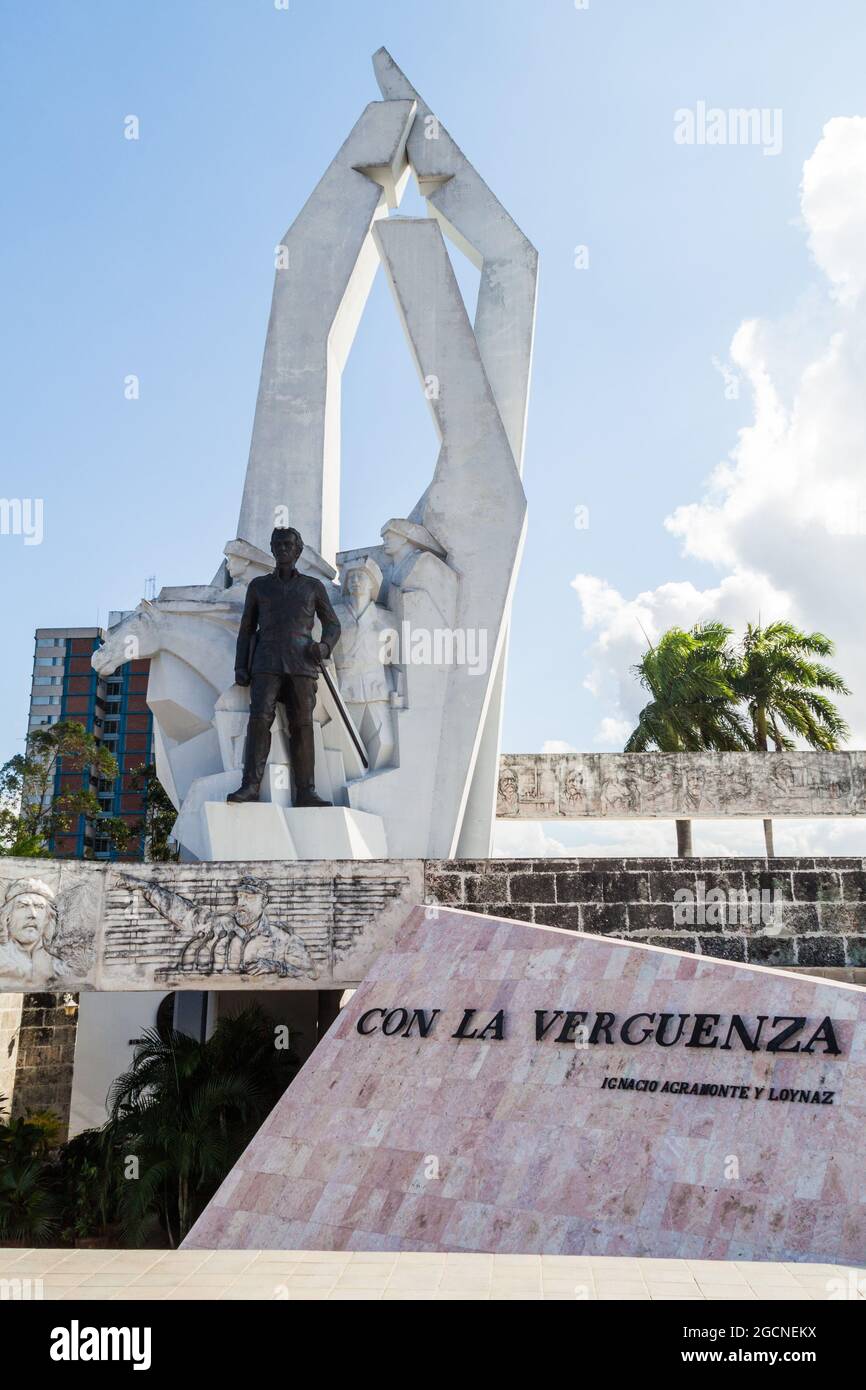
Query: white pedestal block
point(190, 828)
point(265, 831)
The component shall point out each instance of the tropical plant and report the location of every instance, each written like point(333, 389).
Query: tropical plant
point(693, 705)
point(184, 1112)
point(782, 679)
point(32, 811)
point(29, 1207)
point(88, 1177)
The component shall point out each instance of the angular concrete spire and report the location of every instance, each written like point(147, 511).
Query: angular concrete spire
point(320, 289)
point(473, 218)
point(476, 508)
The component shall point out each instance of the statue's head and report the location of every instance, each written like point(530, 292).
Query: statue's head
point(29, 915)
point(252, 899)
point(286, 545)
point(401, 536)
point(361, 580)
point(244, 561)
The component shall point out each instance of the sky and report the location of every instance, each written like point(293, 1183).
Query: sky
point(697, 419)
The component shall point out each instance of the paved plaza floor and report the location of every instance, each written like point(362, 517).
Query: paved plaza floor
point(308, 1274)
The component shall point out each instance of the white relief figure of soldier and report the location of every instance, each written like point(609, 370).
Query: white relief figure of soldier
point(244, 562)
point(241, 941)
point(362, 659)
point(416, 563)
point(28, 924)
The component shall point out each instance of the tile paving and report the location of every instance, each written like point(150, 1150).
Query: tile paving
point(316, 1275)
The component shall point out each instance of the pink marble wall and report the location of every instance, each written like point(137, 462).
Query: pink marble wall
point(408, 1143)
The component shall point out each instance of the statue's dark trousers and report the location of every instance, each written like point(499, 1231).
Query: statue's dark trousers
point(297, 694)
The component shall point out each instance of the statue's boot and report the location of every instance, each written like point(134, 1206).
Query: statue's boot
point(256, 749)
point(308, 796)
point(246, 792)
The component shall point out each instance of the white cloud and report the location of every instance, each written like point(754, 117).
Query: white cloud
point(557, 745)
point(614, 732)
point(515, 839)
point(783, 520)
point(834, 205)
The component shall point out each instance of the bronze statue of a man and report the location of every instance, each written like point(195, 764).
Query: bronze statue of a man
point(278, 659)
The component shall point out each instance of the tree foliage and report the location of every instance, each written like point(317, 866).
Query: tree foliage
point(32, 813)
point(693, 705)
point(159, 815)
point(184, 1113)
point(777, 673)
point(708, 693)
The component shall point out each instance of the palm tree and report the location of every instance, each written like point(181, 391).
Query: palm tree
point(185, 1111)
point(29, 1210)
point(693, 705)
point(29, 1207)
point(782, 684)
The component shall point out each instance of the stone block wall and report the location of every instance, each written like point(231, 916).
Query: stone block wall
point(10, 1020)
point(45, 1057)
point(812, 914)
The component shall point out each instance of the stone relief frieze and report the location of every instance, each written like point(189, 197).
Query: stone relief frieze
point(577, 786)
point(77, 925)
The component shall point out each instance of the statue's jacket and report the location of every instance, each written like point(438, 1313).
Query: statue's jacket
point(277, 625)
point(358, 655)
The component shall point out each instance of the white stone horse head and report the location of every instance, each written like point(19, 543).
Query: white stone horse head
point(201, 634)
point(190, 645)
point(137, 636)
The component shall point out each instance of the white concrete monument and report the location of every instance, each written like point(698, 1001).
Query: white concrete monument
point(407, 722)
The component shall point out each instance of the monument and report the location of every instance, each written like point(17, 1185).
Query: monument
point(327, 727)
point(394, 750)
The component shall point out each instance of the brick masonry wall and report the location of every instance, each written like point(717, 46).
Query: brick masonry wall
point(46, 1052)
point(818, 921)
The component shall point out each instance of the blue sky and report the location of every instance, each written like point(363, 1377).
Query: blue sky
point(155, 257)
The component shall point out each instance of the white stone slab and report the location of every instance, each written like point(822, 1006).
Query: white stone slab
point(257, 830)
point(262, 830)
